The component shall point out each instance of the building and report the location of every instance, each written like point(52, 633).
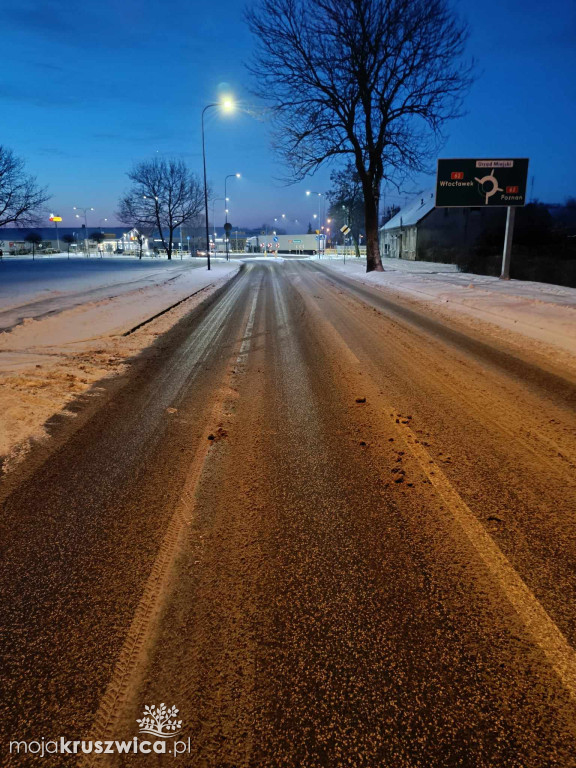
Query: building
point(115, 240)
point(422, 231)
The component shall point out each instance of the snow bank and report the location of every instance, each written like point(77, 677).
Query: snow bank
point(538, 311)
point(70, 341)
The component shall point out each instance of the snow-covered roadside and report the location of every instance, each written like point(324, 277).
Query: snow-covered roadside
point(543, 315)
point(46, 362)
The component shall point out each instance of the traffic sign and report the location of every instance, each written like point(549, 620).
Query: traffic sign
point(345, 229)
point(55, 218)
point(275, 239)
point(463, 183)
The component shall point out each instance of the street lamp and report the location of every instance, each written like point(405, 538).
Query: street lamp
point(85, 212)
point(230, 176)
point(100, 223)
point(227, 105)
point(308, 193)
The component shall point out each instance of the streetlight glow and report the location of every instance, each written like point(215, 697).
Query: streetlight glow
point(228, 104)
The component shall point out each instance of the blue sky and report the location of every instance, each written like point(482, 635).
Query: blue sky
point(88, 89)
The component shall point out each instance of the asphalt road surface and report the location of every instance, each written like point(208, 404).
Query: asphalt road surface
point(327, 527)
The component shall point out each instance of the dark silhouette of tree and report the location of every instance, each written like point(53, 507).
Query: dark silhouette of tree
point(34, 238)
point(347, 201)
point(371, 79)
point(98, 237)
point(68, 239)
point(21, 199)
point(141, 237)
point(164, 195)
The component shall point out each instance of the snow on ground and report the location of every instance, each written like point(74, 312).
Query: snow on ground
point(65, 329)
point(543, 315)
point(34, 288)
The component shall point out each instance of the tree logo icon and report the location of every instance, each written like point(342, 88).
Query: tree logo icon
point(159, 721)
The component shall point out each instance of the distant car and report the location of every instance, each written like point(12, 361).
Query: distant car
point(200, 253)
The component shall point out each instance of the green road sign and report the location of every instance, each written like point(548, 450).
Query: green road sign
point(463, 183)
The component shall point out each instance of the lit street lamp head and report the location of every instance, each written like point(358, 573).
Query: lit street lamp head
point(228, 104)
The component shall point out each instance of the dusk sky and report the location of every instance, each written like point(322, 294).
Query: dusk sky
point(87, 89)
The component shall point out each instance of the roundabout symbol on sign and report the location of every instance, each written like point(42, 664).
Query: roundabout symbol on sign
point(490, 180)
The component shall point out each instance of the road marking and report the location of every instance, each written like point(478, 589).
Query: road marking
point(247, 340)
point(538, 623)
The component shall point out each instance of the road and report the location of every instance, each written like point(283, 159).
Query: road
point(330, 529)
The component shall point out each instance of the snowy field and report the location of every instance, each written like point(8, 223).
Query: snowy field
point(538, 312)
point(33, 288)
point(61, 326)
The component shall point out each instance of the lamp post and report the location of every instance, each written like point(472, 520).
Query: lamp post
point(228, 106)
point(308, 193)
point(100, 223)
point(230, 176)
point(85, 212)
point(214, 201)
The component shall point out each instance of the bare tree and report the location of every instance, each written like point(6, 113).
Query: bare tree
point(142, 235)
point(21, 199)
point(34, 238)
point(98, 237)
point(373, 79)
point(347, 200)
point(69, 239)
point(165, 194)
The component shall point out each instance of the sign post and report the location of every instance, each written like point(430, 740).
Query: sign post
point(56, 219)
point(463, 183)
point(505, 274)
point(345, 231)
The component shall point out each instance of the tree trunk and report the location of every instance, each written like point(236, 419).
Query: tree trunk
point(373, 260)
point(170, 243)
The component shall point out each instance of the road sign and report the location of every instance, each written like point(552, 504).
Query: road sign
point(275, 239)
point(345, 229)
point(55, 218)
point(464, 183)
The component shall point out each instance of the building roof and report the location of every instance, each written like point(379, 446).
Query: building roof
point(412, 213)
point(49, 233)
